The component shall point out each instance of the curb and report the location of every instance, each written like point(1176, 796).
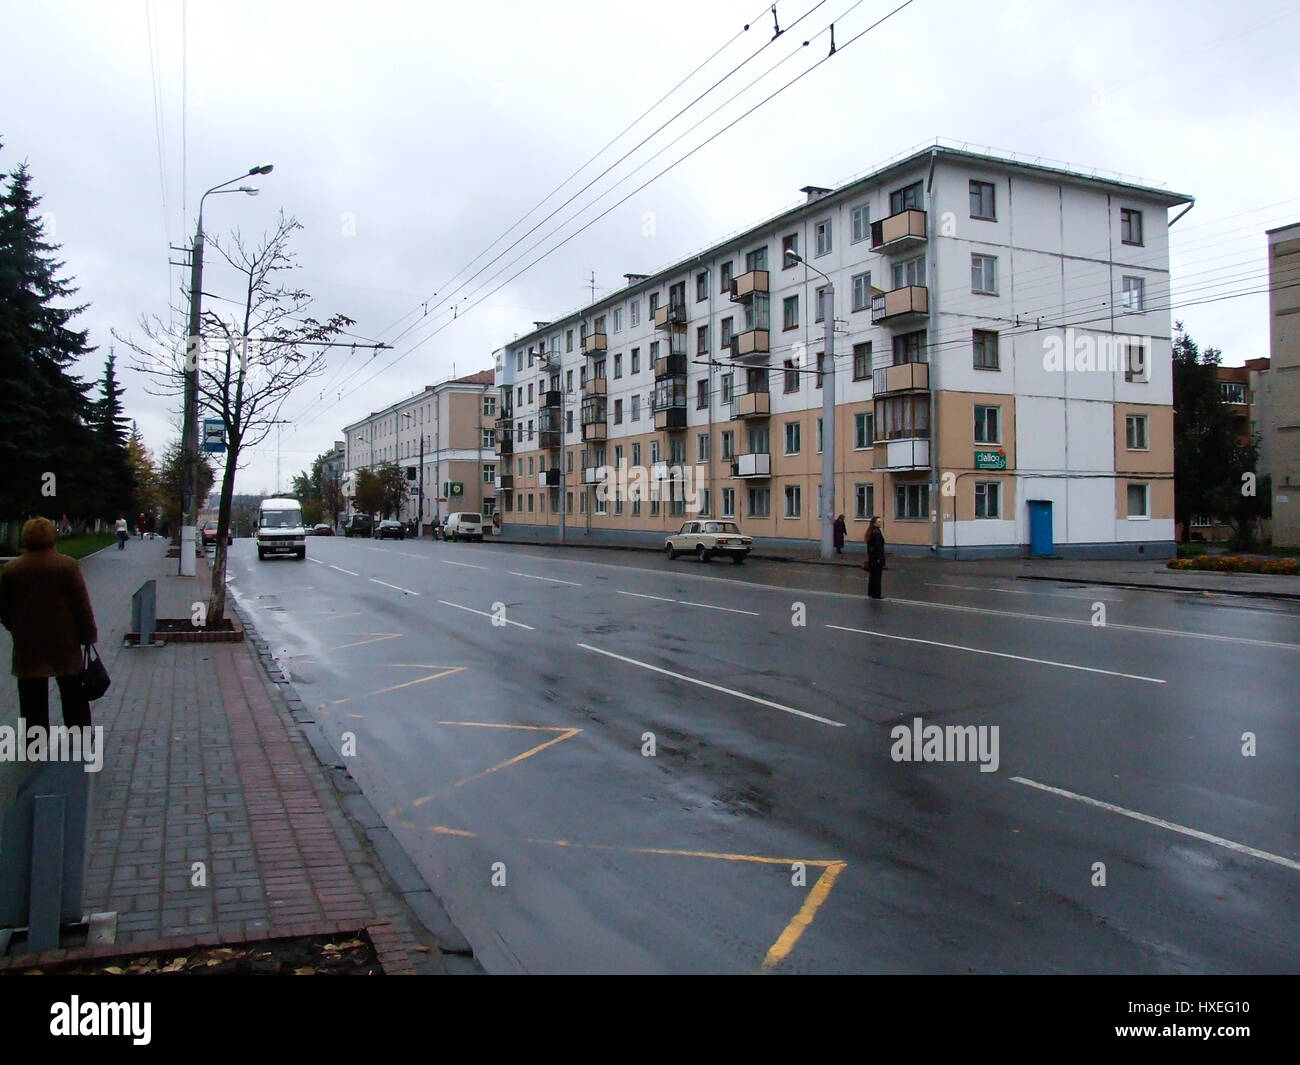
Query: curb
point(1248, 594)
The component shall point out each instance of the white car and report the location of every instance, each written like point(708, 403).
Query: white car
point(704, 539)
point(463, 525)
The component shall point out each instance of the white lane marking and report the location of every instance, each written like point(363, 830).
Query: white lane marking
point(975, 588)
point(342, 570)
point(714, 687)
point(641, 595)
point(1218, 841)
point(316, 560)
point(729, 609)
point(999, 654)
point(467, 565)
point(684, 575)
point(395, 587)
point(1015, 591)
point(534, 577)
point(483, 613)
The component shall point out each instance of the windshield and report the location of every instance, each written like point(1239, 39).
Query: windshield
point(723, 527)
point(281, 519)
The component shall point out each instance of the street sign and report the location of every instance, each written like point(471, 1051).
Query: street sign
point(214, 435)
point(991, 460)
point(414, 490)
point(453, 488)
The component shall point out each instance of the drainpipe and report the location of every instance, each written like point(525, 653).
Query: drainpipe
point(713, 500)
point(932, 319)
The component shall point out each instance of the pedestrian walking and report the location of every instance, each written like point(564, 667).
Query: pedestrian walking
point(141, 525)
point(839, 530)
point(122, 533)
point(153, 525)
point(45, 606)
point(875, 563)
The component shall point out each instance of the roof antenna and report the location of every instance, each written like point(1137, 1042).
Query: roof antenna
point(776, 24)
point(832, 51)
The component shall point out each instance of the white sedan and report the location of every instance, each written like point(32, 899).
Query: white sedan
point(704, 539)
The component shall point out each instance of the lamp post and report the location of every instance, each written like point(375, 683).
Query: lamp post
point(190, 426)
point(828, 413)
point(419, 521)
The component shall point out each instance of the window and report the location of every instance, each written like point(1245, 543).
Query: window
point(821, 367)
point(598, 368)
point(636, 454)
point(760, 502)
point(864, 429)
point(984, 344)
point(568, 465)
point(702, 340)
point(702, 447)
point(905, 199)
point(1130, 226)
point(1135, 362)
point(864, 501)
point(618, 456)
point(530, 465)
point(636, 361)
point(909, 347)
point(819, 436)
point(489, 473)
point(530, 502)
point(701, 395)
point(600, 324)
point(654, 303)
point(862, 361)
point(677, 295)
point(634, 312)
point(618, 366)
point(530, 392)
point(981, 201)
point(988, 499)
point(822, 237)
point(489, 406)
point(791, 376)
point(1138, 501)
point(793, 503)
point(757, 259)
point(790, 312)
point(728, 444)
point(792, 431)
point(789, 243)
point(727, 324)
point(706, 504)
point(636, 408)
point(911, 501)
point(618, 319)
point(654, 452)
point(984, 274)
point(1232, 392)
point(701, 286)
point(618, 412)
point(600, 503)
point(821, 304)
point(1134, 293)
point(726, 388)
point(724, 274)
point(987, 430)
point(1135, 432)
point(519, 360)
point(904, 417)
point(909, 272)
point(862, 291)
point(860, 219)
point(728, 502)
point(489, 438)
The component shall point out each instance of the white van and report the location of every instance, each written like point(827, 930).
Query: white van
point(463, 525)
point(280, 530)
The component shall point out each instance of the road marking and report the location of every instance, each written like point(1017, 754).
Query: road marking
point(801, 920)
point(1016, 591)
point(566, 734)
point(999, 654)
point(342, 570)
point(395, 587)
point(715, 687)
point(729, 609)
point(404, 684)
point(316, 560)
point(483, 613)
point(640, 595)
point(467, 565)
point(534, 577)
point(1218, 841)
point(375, 638)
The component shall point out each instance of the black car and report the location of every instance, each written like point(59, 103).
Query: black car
point(359, 525)
point(390, 530)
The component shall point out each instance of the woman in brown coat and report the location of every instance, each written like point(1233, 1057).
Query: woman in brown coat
point(45, 605)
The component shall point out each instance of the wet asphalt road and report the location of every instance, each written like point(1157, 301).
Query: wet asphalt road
point(771, 829)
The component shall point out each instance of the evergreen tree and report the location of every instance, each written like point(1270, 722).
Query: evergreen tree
point(117, 484)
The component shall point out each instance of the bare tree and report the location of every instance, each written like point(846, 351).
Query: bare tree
point(249, 362)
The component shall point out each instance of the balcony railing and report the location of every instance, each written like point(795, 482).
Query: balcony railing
point(550, 398)
point(549, 478)
point(751, 404)
point(748, 284)
point(591, 474)
point(751, 342)
point(505, 443)
point(595, 343)
point(505, 482)
point(671, 418)
point(901, 305)
point(906, 453)
point(907, 377)
point(670, 366)
point(595, 386)
point(754, 464)
point(550, 439)
point(899, 231)
point(669, 315)
point(598, 431)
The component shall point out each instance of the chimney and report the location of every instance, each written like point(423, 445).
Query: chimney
point(633, 279)
point(814, 192)
point(540, 325)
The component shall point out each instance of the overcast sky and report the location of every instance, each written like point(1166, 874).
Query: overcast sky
point(407, 137)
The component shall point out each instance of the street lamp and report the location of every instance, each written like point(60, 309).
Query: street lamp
point(190, 428)
point(419, 521)
point(828, 412)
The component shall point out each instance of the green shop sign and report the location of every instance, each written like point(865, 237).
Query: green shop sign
point(991, 460)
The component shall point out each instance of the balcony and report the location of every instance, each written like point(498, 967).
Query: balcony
point(907, 453)
point(505, 482)
point(595, 386)
point(597, 431)
point(670, 316)
point(673, 365)
point(595, 344)
point(593, 474)
point(751, 404)
point(907, 377)
point(550, 439)
point(902, 306)
point(751, 344)
point(752, 465)
point(505, 443)
point(747, 285)
point(898, 232)
point(505, 422)
point(552, 398)
point(671, 418)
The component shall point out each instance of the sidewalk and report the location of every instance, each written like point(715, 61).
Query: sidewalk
point(1127, 573)
point(206, 760)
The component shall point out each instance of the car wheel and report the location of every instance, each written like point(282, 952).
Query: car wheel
point(302, 555)
point(701, 553)
point(672, 555)
point(261, 555)
point(737, 559)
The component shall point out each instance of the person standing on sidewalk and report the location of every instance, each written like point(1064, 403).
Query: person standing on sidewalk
point(141, 525)
point(122, 533)
point(839, 530)
point(875, 558)
point(45, 605)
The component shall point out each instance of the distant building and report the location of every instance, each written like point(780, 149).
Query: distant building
point(1282, 423)
point(1242, 391)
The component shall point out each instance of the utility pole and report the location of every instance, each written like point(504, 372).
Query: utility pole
point(828, 426)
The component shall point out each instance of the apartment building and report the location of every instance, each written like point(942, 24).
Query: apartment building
point(452, 427)
point(1243, 390)
point(1282, 421)
point(1002, 372)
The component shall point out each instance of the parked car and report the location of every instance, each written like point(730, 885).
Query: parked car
point(210, 535)
point(359, 525)
point(463, 525)
point(390, 530)
point(704, 539)
point(321, 529)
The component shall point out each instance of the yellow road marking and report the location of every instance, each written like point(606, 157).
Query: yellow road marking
point(786, 940)
point(567, 734)
point(487, 724)
point(375, 638)
point(404, 684)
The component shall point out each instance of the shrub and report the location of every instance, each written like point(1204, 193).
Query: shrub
point(1288, 567)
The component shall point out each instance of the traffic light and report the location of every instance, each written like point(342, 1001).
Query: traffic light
point(410, 473)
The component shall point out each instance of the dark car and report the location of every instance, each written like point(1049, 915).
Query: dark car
point(390, 530)
point(359, 525)
point(210, 535)
point(322, 529)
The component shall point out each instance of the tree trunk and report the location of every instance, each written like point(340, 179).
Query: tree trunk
point(217, 602)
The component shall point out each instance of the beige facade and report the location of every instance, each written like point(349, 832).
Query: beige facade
point(1282, 427)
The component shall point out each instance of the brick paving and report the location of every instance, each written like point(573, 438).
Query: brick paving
point(204, 763)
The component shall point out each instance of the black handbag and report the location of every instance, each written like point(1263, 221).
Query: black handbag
point(94, 677)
